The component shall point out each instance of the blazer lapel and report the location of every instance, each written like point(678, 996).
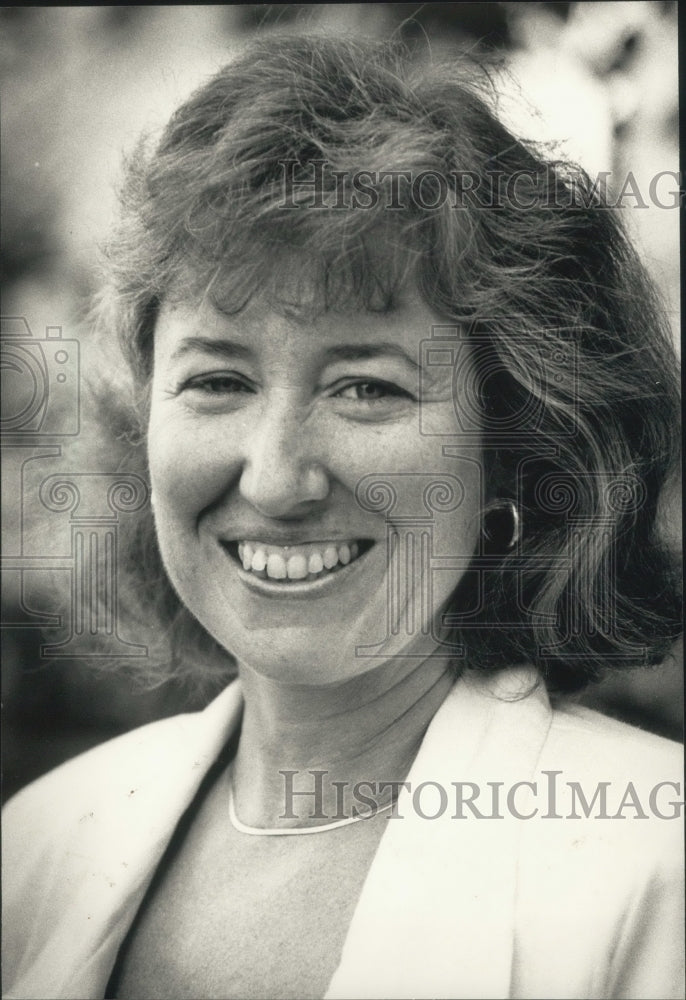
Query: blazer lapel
point(436, 915)
point(119, 836)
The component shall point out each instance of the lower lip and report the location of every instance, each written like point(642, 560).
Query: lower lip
point(298, 589)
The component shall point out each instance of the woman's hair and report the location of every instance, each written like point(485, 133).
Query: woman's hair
point(353, 170)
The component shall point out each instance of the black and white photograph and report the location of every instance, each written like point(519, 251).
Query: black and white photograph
point(341, 513)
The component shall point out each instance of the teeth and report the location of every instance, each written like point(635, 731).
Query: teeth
point(296, 568)
point(295, 562)
point(276, 567)
point(330, 556)
point(316, 563)
point(259, 561)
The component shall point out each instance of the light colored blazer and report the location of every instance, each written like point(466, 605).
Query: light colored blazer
point(451, 907)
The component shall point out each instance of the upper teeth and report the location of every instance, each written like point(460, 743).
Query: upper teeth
point(295, 562)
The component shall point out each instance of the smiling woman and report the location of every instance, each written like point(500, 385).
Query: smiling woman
point(260, 428)
point(408, 428)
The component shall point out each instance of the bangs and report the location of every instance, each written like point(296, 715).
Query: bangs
point(307, 277)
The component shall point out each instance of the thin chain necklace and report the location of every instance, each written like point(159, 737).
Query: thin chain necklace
point(293, 831)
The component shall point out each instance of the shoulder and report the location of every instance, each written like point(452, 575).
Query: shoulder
point(117, 783)
point(617, 794)
point(65, 837)
point(104, 771)
point(601, 871)
point(129, 762)
point(74, 820)
point(81, 843)
point(593, 742)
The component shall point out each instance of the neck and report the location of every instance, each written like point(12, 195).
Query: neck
point(365, 729)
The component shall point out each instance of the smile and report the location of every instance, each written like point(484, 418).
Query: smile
point(309, 561)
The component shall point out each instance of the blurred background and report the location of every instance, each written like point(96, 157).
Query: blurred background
point(596, 80)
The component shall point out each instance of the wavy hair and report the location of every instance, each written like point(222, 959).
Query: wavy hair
point(577, 387)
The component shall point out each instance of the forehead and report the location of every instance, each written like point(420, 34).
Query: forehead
point(265, 327)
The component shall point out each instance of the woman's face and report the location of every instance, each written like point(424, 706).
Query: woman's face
point(266, 436)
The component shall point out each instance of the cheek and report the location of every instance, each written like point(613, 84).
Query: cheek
point(455, 527)
point(385, 448)
point(410, 475)
point(189, 468)
point(431, 502)
point(459, 504)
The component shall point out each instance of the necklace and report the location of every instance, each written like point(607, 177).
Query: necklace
point(292, 831)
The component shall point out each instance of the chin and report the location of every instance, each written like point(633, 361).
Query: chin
point(301, 655)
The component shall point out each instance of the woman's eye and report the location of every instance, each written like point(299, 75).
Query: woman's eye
point(372, 391)
point(217, 384)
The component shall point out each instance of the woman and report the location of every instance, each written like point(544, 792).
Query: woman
point(409, 409)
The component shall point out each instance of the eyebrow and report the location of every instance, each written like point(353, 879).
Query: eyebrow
point(362, 352)
point(345, 352)
point(211, 345)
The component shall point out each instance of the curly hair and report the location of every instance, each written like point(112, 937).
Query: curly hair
point(293, 158)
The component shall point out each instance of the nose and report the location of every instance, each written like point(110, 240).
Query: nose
point(282, 475)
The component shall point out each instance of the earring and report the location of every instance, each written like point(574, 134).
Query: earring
point(494, 534)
